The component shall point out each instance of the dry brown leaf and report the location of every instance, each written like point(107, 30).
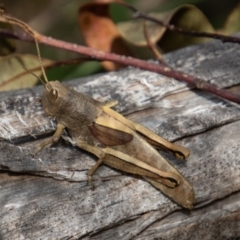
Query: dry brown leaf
point(100, 32)
point(14, 76)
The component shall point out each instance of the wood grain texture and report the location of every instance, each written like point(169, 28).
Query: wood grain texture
point(47, 196)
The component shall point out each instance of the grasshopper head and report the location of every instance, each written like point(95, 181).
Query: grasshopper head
point(54, 96)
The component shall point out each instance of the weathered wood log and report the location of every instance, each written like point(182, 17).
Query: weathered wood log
point(48, 196)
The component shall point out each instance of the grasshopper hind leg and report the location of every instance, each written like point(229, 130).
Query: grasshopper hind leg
point(97, 152)
point(124, 162)
point(92, 171)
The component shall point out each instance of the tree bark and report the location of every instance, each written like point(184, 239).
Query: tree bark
point(47, 196)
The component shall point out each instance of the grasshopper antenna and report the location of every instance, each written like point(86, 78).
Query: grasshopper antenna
point(40, 61)
point(34, 75)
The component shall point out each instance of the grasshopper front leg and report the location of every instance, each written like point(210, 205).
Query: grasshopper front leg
point(55, 138)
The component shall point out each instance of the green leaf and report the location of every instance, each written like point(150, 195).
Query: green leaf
point(232, 23)
point(64, 73)
point(187, 17)
point(14, 76)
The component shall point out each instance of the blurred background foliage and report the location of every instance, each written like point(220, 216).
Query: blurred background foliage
point(58, 19)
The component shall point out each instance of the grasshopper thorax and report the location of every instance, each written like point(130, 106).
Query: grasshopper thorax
point(69, 107)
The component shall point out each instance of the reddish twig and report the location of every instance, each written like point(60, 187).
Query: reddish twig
point(129, 61)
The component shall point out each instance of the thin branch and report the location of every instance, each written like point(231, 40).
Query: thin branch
point(129, 61)
point(139, 14)
point(6, 33)
point(151, 45)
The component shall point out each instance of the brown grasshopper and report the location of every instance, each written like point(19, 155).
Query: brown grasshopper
point(116, 141)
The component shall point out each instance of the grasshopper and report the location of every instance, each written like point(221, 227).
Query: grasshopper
point(115, 140)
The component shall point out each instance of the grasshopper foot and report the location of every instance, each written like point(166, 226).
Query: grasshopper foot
point(51, 140)
point(90, 182)
point(39, 147)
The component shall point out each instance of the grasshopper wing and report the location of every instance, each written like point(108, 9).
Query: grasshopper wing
point(109, 136)
point(152, 138)
point(110, 131)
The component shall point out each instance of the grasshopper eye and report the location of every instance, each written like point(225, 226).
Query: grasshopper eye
point(54, 94)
